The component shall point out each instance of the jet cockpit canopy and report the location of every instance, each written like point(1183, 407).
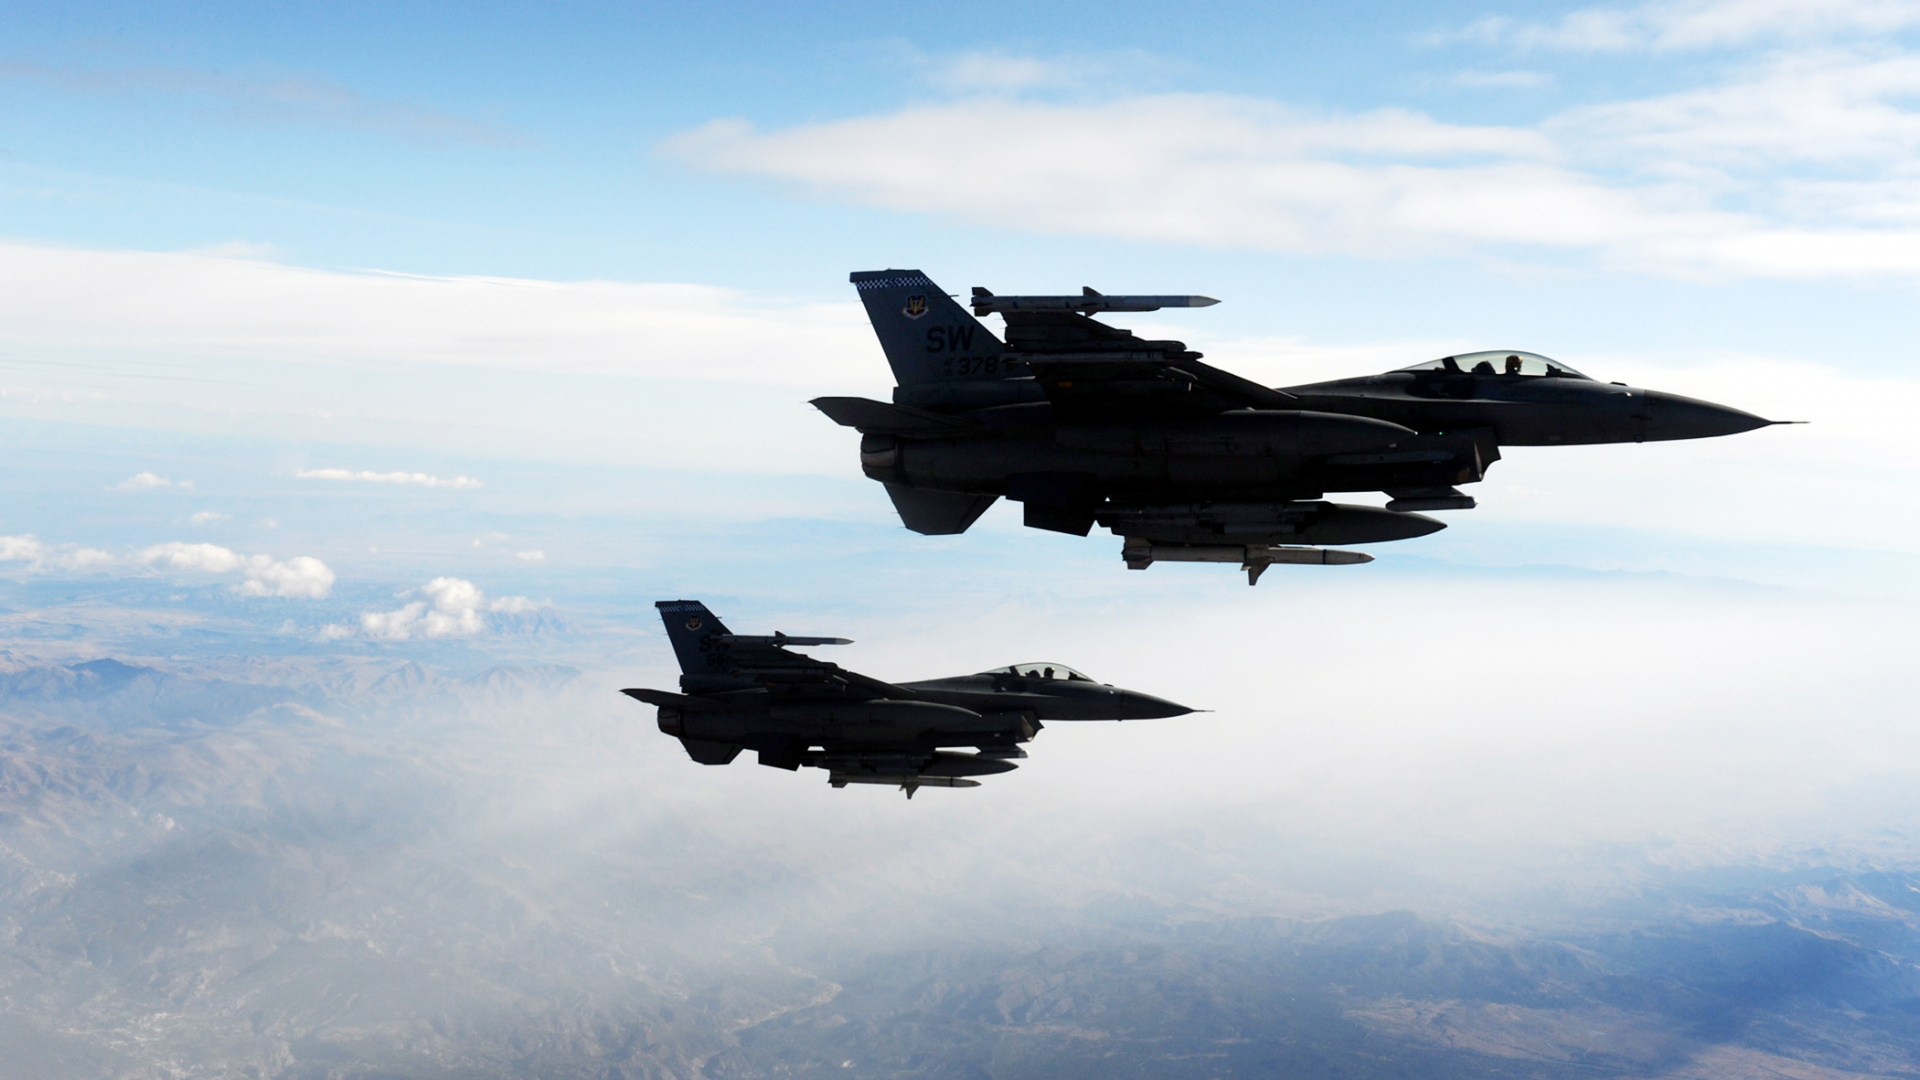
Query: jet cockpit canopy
point(1042, 670)
point(1499, 362)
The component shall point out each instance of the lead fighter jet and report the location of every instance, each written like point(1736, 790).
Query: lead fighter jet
point(743, 692)
point(1083, 422)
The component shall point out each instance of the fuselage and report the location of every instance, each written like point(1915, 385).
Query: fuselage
point(1410, 430)
point(1525, 410)
point(986, 710)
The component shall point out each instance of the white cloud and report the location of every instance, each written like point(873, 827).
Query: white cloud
point(208, 517)
point(302, 576)
point(364, 476)
point(201, 305)
point(39, 557)
point(1827, 108)
point(1682, 184)
point(83, 559)
point(531, 556)
point(144, 481)
point(21, 549)
point(1695, 24)
point(451, 608)
point(179, 555)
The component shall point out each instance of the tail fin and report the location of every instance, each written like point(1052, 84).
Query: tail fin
point(927, 337)
point(689, 626)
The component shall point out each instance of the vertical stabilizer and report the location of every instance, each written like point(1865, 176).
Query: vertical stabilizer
point(690, 626)
point(927, 337)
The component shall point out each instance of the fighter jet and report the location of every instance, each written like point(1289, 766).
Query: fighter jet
point(744, 692)
point(1083, 422)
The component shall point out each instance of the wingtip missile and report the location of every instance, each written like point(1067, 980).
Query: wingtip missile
point(778, 638)
point(1089, 301)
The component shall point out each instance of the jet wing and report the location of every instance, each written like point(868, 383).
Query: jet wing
point(1095, 382)
point(1088, 368)
point(789, 674)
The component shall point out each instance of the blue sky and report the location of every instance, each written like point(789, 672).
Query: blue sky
point(275, 280)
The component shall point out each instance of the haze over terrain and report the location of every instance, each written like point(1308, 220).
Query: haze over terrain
point(367, 372)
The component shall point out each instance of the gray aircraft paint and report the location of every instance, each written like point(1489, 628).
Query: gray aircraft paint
point(746, 692)
point(1084, 423)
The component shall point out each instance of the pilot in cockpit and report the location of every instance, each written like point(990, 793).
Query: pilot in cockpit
point(1513, 365)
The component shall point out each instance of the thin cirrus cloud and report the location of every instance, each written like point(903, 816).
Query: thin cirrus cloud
point(301, 577)
point(1792, 166)
point(146, 481)
point(994, 72)
point(1503, 80)
point(412, 479)
point(278, 98)
point(1691, 24)
point(449, 607)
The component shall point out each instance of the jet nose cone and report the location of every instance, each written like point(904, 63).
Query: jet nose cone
point(1670, 416)
point(1147, 707)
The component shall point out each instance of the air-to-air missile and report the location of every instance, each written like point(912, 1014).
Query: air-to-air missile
point(1084, 423)
point(746, 692)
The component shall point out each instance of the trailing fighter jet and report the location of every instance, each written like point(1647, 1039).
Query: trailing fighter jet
point(743, 692)
point(1083, 422)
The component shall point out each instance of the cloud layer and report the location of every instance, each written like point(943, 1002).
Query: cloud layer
point(1694, 24)
point(204, 304)
point(1798, 165)
point(413, 479)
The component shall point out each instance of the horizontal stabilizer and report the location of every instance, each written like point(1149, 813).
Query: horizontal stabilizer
point(669, 700)
point(867, 414)
point(937, 513)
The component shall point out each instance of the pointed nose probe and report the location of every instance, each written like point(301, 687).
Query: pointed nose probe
point(1670, 416)
point(1137, 706)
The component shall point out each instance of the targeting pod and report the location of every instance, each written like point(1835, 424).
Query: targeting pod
point(908, 784)
point(1141, 553)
